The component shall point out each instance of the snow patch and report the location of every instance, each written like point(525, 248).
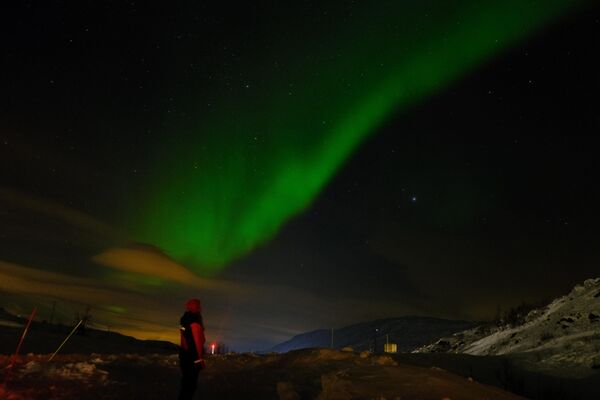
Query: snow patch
point(565, 334)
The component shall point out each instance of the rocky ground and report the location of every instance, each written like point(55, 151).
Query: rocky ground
point(304, 374)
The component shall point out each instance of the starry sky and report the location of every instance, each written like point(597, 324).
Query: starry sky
point(296, 166)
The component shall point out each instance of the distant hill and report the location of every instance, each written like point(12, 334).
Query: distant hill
point(44, 338)
point(408, 333)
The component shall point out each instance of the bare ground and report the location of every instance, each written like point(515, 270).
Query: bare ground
point(305, 374)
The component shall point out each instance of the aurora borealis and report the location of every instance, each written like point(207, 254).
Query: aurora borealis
point(296, 165)
point(259, 156)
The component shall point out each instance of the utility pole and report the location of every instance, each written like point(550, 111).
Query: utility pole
point(375, 341)
point(84, 321)
point(52, 313)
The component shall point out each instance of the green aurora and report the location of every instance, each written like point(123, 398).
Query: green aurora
point(262, 152)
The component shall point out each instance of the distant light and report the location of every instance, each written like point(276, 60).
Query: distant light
point(413, 199)
point(212, 348)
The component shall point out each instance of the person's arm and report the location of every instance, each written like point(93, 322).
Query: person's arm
point(198, 334)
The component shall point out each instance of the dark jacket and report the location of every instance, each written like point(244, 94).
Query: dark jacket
point(192, 337)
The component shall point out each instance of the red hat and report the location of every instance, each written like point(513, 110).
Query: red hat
point(193, 306)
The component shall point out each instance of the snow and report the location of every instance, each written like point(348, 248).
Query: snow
point(563, 335)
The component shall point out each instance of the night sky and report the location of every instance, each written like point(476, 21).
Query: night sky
point(296, 165)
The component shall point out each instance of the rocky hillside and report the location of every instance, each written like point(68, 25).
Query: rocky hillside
point(564, 335)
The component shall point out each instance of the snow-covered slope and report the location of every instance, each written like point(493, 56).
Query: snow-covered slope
point(564, 334)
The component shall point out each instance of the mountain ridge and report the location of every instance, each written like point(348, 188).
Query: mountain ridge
point(44, 338)
point(407, 332)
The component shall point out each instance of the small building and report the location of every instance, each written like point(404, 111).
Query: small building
point(390, 348)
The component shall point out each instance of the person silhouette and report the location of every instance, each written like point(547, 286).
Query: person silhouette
point(191, 349)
